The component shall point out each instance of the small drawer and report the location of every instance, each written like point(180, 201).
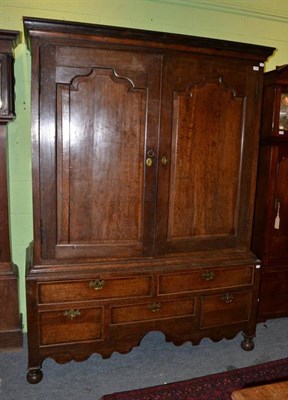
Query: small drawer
point(95, 289)
point(152, 311)
point(225, 309)
point(71, 325)
point(203, 279)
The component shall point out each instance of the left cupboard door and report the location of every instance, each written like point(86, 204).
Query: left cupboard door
point(98, 135)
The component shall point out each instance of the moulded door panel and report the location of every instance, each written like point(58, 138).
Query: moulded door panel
point(204, 189)
point(93, 151)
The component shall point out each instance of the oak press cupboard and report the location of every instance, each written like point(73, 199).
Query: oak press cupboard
point(144, 167)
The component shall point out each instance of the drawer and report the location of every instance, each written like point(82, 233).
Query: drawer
point(110, 288)
point(152, 311)
point(202, 279)
point(71, 325)
point(225, 309)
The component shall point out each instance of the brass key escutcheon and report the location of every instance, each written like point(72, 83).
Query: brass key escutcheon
point(164, 160)
point(149, 162)
point(150, 155)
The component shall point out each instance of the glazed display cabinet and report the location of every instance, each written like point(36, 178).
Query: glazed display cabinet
point(144, 168)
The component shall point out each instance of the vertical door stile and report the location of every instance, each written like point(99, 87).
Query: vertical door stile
point(63, 163)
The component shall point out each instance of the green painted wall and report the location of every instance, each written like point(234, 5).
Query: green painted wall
point(254, 21)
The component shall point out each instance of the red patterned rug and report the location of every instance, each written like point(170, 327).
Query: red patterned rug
point(211, 387)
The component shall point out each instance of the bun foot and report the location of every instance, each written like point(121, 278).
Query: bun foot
point(247, 343)
point(34, 376)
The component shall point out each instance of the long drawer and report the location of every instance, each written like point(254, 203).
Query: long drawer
point(203, 279)
point(152, 311)
point(95, 289)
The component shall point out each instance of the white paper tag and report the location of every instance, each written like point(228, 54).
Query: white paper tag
point(277, 219)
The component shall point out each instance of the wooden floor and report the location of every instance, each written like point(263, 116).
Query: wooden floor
point(272, 391)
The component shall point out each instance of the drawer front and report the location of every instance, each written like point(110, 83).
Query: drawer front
point(152, 311)
point(71, 325)
point(202, 279)
point(111, 288)
point(225, 309)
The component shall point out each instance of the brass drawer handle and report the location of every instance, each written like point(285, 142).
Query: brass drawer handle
point(72, 314)
point(208, 275)
point(227, 297)
point(154, 307)
point(98, 284)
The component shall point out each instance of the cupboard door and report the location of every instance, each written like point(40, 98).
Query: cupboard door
point(278, 237)
point(205, 198)
point(97, 192)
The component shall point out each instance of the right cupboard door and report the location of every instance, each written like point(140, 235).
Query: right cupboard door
point(209, 129)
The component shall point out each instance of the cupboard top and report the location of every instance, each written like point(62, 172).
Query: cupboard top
point(278, 76)
point(144, 38)
point(8, 40)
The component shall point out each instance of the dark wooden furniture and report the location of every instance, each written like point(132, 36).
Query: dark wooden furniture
point(270, 238)
point(272, 391)
point(144, 167)
point(10, 322)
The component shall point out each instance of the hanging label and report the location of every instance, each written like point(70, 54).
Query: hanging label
point(277, 219)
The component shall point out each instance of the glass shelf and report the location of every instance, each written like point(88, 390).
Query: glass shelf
point(283, 114)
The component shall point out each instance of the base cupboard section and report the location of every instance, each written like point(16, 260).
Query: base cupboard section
point(96, 315)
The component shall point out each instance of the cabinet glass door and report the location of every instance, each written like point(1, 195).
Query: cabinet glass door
point(283, 114)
